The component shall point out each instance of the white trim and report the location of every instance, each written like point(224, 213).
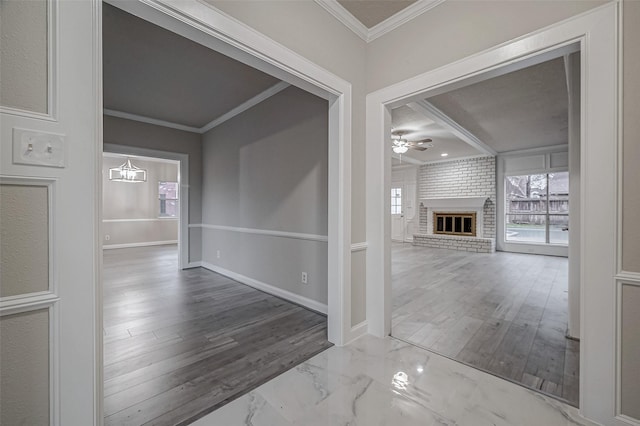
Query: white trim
point(143, 244)
point(195, 264)
point(358, 330)
point(345, 17)
point(262, 96)
point(275, 89)
point(149, 120)
point(454, 202)
point(52, 72)
point(158, 219)
point(540, 150)
point(432, 112)
point(402, 17)
point(272, 233)
point(448, 160)
point(596, 32)
point(391, 23)
point(27, 302)
point(359, 246)
point(184, 240)
point(205, 24)
point(632, 279)
point(268, 288)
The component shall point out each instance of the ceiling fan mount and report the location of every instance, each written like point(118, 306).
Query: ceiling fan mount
point(402, 145)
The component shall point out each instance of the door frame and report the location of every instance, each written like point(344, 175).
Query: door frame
point(183, 181)
point(597, 33)
point(208, 26)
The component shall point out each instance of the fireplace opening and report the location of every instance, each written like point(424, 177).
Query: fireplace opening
point(455, 223)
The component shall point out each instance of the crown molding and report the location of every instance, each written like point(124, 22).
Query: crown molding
point(402, 17)
point(149, 120)
point(276, 88)
point(262, 96)
point(344, 16)
point(389, 24)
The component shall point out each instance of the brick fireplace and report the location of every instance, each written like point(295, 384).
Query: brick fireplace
point(458, 192)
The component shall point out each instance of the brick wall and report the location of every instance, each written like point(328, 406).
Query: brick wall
point(474, 177)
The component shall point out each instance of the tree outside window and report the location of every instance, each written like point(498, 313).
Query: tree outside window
point(168, 199)
point(537, 208)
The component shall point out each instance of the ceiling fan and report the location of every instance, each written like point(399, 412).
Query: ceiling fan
point(402, 145)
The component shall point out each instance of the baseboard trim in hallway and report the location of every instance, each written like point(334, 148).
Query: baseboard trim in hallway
point(267, 288)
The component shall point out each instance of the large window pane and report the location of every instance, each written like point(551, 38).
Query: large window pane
point(559, 229)
point(526, 194)
point(559, 192)
point(528, 228)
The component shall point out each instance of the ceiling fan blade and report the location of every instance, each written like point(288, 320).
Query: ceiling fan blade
point(418, 148)
point(423, 141)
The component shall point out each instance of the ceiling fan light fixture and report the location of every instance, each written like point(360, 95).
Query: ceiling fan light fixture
point(400, 149)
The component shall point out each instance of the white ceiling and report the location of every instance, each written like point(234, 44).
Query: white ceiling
point(152, 72)
point(520, 110)
point(419, 127)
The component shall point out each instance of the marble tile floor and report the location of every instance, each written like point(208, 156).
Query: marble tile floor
point(505, 313)
point(376, 382)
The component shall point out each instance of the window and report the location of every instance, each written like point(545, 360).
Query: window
point(396, 200)
point(168, 197)
point(537, 208)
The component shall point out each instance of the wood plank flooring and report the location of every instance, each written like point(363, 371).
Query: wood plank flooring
point(179, 344)
point(505, 313)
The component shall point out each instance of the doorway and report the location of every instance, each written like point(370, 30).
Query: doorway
point(453, 294)
point(446, 78)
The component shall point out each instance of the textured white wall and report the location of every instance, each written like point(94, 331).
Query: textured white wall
point(23, 54)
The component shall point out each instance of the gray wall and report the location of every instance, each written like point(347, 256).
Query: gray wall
point(24, 367)
point(24, 239)
point(630, 356)
point(23, 59)
point(124, 200)
point(120, 131)
point(267, 169)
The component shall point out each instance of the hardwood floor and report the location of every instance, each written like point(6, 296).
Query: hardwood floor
point(179, 344)
point(505, 313)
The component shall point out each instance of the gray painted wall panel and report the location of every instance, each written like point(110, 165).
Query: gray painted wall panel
point(630, 380)
point(24, 368)
point(24, 239)
point(631, 137)
point(267, 169)
point(23, 59)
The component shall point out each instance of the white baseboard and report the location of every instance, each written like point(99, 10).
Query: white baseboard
point(358, 331)
point(267, 288)
point(195, 264)
point(145, 244)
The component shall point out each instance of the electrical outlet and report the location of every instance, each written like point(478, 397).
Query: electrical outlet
point(218, 254)
point(304, 278)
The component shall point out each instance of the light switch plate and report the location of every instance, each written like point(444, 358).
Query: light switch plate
point(38, 148)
